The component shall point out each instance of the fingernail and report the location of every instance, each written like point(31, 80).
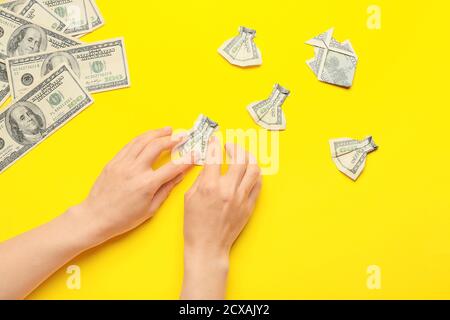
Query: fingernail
point(177, 138)
point(167, 129)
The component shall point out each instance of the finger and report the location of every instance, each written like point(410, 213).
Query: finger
point(213, 162)
point(237, 163)
point(170, 170)
point(181, 135)
point(251, 176)
point(164, 192)
point(254, 194)
point(192, 157)
point(195, 185)
point(153, 150)
point(132, 149)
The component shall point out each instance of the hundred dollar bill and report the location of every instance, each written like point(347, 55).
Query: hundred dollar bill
point(197, 139)
point(101, 66)
point(13, 5)
point(43, 110)
point(72, 12)
point(20, 36)
point(94, 16)
point(36, 12)
point(241, 50)
point(268, 113)
point(350, 155)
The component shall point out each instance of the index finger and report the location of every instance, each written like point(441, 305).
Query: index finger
point(172, 169)
point(134, 148)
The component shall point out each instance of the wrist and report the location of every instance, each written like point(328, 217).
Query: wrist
point(195, 258)
point(86, 227)
point(205, 274)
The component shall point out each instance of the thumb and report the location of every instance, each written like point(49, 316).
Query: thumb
point(164, 192)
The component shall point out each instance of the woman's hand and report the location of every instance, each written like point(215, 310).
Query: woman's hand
point(217, 208)
point(128, 191)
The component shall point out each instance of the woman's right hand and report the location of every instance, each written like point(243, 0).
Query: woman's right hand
point(217, 208)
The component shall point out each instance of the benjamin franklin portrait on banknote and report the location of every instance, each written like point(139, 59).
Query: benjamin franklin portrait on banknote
point(56, 60)
point(27, 39)
point(25, 123)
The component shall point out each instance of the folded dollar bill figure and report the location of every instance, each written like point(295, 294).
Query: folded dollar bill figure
point(350, 155)
point(197, 139)
point(334, 62)
point(268, 113)
point(241, 50)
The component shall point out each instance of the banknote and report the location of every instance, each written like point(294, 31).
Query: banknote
point(72, 12)
point(350, 155)
point(101, 66)
point(35, 12)
point(13, 5)
point(268, 113)
point(20, 36)
point(197, 139)
point(94, 16)
point(42, 111)
point(334, 62)
point(241, 50)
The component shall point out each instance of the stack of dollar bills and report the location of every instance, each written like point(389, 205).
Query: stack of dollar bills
point(48, 72)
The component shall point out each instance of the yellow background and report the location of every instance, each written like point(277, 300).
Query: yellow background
point(314, 232)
